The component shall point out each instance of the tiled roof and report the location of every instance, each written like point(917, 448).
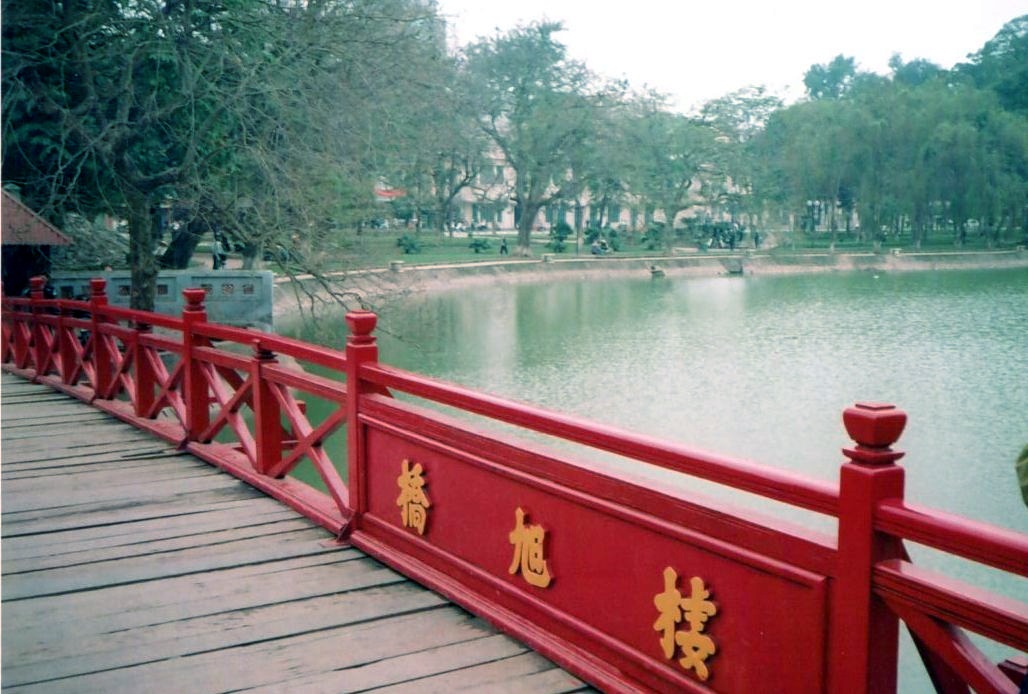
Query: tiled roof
point(22, 226)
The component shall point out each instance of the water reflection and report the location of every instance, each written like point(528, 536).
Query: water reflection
point(759, 367)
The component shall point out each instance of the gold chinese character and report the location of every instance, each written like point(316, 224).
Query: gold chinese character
point(696, 609)
point(412, 501)
point(528, 552)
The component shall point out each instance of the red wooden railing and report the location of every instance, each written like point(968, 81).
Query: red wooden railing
point(629, 585)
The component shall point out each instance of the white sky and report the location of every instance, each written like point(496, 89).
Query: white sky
point(701, 49)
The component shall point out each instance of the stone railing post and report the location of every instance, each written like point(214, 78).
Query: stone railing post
point(196, 395)
point(864, 636)
point(361, 348)
point(267, 413)
point(102, 358)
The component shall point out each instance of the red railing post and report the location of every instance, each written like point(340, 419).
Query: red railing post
point(7, 327)
point(146, 379)
point(21, 344)
point(864, 635)
point(69, 358)
point(37, 286)
point(267, 414)
point(197, 396)
point(360, 349)
point(101, 352)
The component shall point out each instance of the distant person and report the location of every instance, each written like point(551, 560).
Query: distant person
point(756, 239)
point(218, 254)
point(503, 247)
point(1022, 473)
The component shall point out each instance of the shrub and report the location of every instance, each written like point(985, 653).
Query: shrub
point(558, 235)
point(478, 245)
point(654, 237)
point(409, 244)
point(613, 238)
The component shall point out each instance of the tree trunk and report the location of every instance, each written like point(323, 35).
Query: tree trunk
point(252, 252)
point(528, 215)
point(183, 245)
point(141, 253)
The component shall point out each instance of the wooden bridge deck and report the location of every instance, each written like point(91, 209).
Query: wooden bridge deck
point(129, 566)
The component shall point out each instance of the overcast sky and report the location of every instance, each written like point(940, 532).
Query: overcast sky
point(697, 50)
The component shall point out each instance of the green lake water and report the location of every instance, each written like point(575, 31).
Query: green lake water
point(759, 368)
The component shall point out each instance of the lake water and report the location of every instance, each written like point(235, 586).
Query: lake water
point(761, 368)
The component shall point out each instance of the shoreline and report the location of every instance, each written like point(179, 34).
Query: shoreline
point(402, 279)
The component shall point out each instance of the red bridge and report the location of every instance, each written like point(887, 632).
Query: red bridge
point(627, 586)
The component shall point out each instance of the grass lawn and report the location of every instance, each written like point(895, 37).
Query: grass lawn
point(377, 248)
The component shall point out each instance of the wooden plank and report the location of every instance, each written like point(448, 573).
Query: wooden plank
point(25, 455)
point(140, 491)
point(152, 549)
point(163, 467)
point(31, 411)
point(105, 512)
point(157, 464)
point(90, 439)
point(139, 532)
point(416, 666)
point(33, 420)
point(95, 428)
point(218, 631)
point(31, 398)
point(527, 673)
point(175, 563)
point(180, 597)
point(158, 469)
point(98, 451)
point(16, 384)
point(280, 660)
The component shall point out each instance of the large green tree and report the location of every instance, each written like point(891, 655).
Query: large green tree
point(264, 119)
point(675, 158)
point(1002, 65)
point(536, 107)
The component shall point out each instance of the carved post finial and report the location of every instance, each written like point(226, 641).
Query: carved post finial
point(874, 427)
point(362, 324)
point(261, 351)
point(194, 297)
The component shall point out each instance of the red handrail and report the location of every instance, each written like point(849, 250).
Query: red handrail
point(987, 544)
point(739, 474)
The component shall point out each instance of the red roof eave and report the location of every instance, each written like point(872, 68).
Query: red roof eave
point(22, 226)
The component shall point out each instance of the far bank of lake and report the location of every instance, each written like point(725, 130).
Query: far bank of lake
point(404, 277)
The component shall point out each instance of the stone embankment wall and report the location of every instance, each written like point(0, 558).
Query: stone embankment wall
point(403, 278)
